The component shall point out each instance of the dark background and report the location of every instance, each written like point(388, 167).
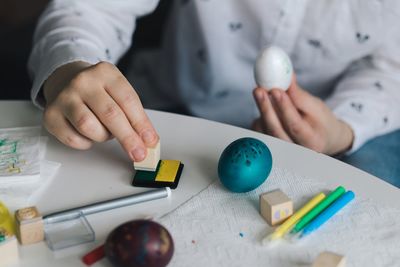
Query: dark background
point(17, 23)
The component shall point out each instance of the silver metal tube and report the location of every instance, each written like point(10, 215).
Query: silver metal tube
point(107, 205)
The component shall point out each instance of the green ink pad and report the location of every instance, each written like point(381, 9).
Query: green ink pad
point(167, 174)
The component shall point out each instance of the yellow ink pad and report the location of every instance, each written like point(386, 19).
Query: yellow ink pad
point(167, 174)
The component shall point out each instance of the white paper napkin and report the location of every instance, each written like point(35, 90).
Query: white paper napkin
point(220, 228)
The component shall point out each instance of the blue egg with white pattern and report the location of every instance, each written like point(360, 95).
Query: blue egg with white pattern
point(244, 165)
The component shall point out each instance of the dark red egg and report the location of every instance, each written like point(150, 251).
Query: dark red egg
point(139, 243)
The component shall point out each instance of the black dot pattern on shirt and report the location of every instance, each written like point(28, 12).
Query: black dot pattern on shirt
point(385, 120)
point(357, 106)
point(369, 58)
point(108, 55)
point(378, 85)
point(120, 35)
point(201, 55)
point(362, 38)
point(315, 43)
point(235, 26)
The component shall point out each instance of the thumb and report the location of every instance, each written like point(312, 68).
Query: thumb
point(302, 99)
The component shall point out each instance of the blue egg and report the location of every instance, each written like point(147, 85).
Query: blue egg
point(244, 164)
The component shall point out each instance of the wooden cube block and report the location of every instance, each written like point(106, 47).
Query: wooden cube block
point(151, 160)
point(29, 225)
point(275, 207)
point(329, 259)
point(8, 251)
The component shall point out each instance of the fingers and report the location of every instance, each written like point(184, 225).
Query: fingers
point(303, 100)
point(299, 130)
point(257, 126)
point(85, 122)
point(269, 119)
point(127, 99)
point(58, 126)
point(113, 118)
point(95, 103)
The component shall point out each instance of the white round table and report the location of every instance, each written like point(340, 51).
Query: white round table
point(105, 172)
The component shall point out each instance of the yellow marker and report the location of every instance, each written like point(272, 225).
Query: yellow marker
point(167, 171)
point(283, 228)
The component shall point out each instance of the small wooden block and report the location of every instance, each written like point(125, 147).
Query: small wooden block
point(329, 259)
point(275, 207)
point(9, 251)
point(29, 225)
point(151, 160)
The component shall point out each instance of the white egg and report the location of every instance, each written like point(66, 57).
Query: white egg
point(273, 69)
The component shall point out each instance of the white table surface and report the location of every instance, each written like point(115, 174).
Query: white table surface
point(105, 172)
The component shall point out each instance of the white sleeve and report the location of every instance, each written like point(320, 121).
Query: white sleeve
point(82, 30)
point(368, 95)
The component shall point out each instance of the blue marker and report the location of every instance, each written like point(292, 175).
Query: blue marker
point(328, 213)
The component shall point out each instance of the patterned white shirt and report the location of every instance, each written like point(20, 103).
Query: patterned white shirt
point(346, 52)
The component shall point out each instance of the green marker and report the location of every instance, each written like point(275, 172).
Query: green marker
point(318, 209)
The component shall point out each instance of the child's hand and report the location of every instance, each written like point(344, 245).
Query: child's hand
point(88, 104)
point(296, 116)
